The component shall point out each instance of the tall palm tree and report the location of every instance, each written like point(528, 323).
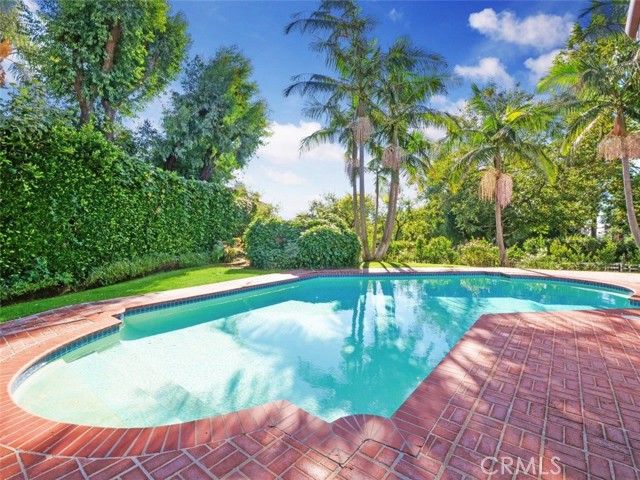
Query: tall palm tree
point(338, 130)
point(347, 50)
point(498, 132)
point(365, 78)
point(409, 78)
point(604, 79)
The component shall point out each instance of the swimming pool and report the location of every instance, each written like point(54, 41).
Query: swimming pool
point(334, 346)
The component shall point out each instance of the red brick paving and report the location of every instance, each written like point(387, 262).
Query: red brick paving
point(529, 395)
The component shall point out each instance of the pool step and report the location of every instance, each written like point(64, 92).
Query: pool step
point(70, 400)
point(171, 400)
point(121, 390)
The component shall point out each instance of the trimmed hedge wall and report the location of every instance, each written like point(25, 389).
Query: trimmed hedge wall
point(72, 202)
point(301, 243)
point(272, 243)
point(327, 246)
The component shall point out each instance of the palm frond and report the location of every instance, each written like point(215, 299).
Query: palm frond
point(560, 76)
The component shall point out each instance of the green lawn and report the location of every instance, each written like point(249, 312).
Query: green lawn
point(189, 277)
point(402, 265)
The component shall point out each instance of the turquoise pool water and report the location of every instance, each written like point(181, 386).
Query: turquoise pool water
point(334, 346)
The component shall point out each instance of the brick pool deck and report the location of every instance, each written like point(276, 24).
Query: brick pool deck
point(528, 395)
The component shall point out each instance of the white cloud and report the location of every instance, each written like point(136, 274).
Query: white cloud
point(283, 146)
point(434, 133)
point(31, 5)
point(540, 66)
point(395, 15)
point(441, 102)
point(286, 178)
point(541, 31)
point(488, 69)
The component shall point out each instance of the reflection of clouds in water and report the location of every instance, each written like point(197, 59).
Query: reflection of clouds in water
point(296, 330)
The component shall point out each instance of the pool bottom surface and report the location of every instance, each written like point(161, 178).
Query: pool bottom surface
point(333, 346)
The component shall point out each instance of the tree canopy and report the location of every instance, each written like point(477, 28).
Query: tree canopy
point(215, 125)
point(110, 57)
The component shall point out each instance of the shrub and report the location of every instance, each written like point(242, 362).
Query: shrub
point(272, 243)
point(75, 203)
point(535, 246)
point(327, 246)
point(436, 250)
point(137, 267)
point(607, 254)
point(479, 253)
point(515, 254)
point(401, 251)
point(277, 243)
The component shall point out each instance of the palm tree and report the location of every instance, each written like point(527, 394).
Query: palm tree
point(366, 77)
point(604, 79)
point(410, 77)
point(605, 17)
point(339, 131)
point(355, 59)
point(497, 133)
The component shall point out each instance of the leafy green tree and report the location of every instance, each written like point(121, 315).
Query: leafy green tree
point(16, 42)
point(330, 205)
point(113, 55)
point(217, 122)
point(498, 131)
point(146, 141)
point(603, 77)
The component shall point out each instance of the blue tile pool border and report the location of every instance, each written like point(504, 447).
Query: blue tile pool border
point(202, 298)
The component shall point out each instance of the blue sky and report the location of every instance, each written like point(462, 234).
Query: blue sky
point(505, 42)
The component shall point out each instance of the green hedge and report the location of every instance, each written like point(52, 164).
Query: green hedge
point(301, 243)
point(72, 202)
point(272, 243)
point(327, 246)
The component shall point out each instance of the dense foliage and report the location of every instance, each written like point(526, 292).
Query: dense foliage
point(73, 203)
point(327, 246)
point(301, 243)
point(272, 243)
point(86, 201)
point(109, 57)
point(217, 122)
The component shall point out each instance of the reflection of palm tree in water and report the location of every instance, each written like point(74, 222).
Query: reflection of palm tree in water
point(376, 374)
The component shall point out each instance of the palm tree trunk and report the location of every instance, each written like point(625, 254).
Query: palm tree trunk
point(394, 189)
point(387, 236)
point(364, 237)
point(628, 198)
point(499, 234)
point(620, 129)
point(354, 188)
point(374, 242)
point(354, 202)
